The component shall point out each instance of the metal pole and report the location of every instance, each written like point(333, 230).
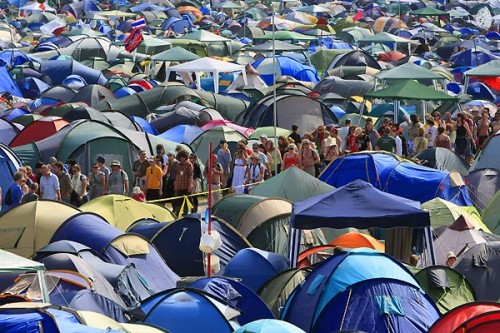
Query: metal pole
point(275, 116)
point(209, 256)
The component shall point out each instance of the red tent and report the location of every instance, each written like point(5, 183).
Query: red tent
point(472, 317)
point(38, 130)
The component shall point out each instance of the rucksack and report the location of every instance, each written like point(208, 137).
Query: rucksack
point(8, 197)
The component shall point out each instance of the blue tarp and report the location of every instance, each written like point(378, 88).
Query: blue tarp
point(358, 205)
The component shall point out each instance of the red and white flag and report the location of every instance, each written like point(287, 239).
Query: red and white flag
point(358, 16)
point(133, 40)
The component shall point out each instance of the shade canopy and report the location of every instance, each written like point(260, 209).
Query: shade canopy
point(278, 46)
point(359, 205)
point(385, 37)
point(410, 90)
point(491, 68)
point(429, 11)
point(408, 71)
point(176, 53)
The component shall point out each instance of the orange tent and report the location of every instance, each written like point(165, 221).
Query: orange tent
point(304, 260)
point(354, 240)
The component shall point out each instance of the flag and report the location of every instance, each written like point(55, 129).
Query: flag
point(133, 40)
point(140, 23)
point(42, 7)
point(358, 16)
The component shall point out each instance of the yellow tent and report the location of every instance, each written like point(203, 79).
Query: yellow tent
point(121, 211)
point(30, 226)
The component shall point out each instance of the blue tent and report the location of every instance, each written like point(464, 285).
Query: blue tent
point(182, 133)
point(237, 294)
point(391, 174)
point(32, 87)
point(9, 164)
point(145, 126)
point(58, 70)
point(285, 66)
point(176, 24)
point(471, 58)
point(46, 319)
point(269, 326)
point(185, 234)
point(13, 113)
point(118, 248)
point(243, 266)
point(381, 296)
point(187, 310)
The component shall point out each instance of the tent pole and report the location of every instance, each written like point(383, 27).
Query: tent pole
point(396, 110)
point(275, 116)
point(209, 256)
point(430, 245)
point(466, 84)
point(294, 236)
point(424, 109)
point(42, 281)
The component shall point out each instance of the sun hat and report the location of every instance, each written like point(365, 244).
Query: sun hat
point(358, 131)
point(329, 142)
point(136, 190)
point(450, 254)
point(254, 157)
point(263, 136)
point(116, 163)
point(429, 117)
point(52, 160)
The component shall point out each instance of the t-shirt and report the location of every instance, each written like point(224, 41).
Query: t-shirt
point(117, 182)
point(15, 193)
point(386, 143)
point(154, 176)
point(430, 135)
point(30, 196)
point(49, 187)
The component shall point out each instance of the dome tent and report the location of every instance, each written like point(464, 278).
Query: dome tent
point(471, 317)
point(315, 304)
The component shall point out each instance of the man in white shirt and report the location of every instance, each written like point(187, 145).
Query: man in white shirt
point(399, 142)
point(49, 185)
point(431, 131)
point(343, 132)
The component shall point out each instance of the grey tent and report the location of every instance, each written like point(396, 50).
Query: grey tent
point(482, 185)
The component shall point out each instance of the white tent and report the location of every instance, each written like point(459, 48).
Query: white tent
point(35, 6)
point(458, 237)
point(210, 65)
point(12, 263)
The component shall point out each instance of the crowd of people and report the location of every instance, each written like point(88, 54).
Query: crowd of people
point(172, 176)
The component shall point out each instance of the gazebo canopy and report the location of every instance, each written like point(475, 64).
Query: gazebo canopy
point(176, 53)
point(429, 11)
point(410, 90)
point(491, 68)
point(385, 37)
point(408, 71)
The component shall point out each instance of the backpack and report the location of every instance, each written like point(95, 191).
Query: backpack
point(8, 197)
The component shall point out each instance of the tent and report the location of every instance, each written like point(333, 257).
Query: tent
point(410, 89)
point(252, 306)
point(185, 234)
point(284, 65)
point(97, 320)
point(9, 164)
point(118, 248)
point(446, 287)
point(353, 240)
point(443, 159)
point(278, 289)
point(408, 71)
point(176, 53)
point(12, 263)
point(444, 213)
point(186, 310)
point(269, 325)
point(354, 58)
point(360, 205)
point(474, 316)
point(490, 214)
point(383, 290)
point(482, 185)
point(263, 221)
point(39, 130)
point(26, 317)
point(304, 111)
point(479, 265)
point(285, 185)
point(242, 266)
point(8, 131)
point(200, 144)
point(36, 223)
point(487, 158)
point(458, 238)
point(208, 65)
point(396, 176)
point(121, 211)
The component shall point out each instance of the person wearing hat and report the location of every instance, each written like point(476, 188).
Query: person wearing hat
point(224, 158)
point(431, 131)
point(254, 173)
point(154, 180)
point(291, 157)
point(183, 184)
point(139, 168)
point(330, 150)
point(118, 179)
point(451, 259)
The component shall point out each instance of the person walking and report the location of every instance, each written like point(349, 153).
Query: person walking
point(239, 168)
point(254, 173)
point(32, 195)
point(309, 158)
point(196, 181)
point(79, 182)
point(217, 173)
point(139, 168)
point(183, 184)
point(101, 163)
point(386, 142)
point(65, 185)
point(97, 182)
point(224, 157)
point(14, 193)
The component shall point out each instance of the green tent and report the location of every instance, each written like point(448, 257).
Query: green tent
point(201, 143)
point(279, 46)
point(491, 214)
point(446, 287)
point(491, 68)
point(429, 11)
point(269, 131)
point(276, 291)
point(384, 37)
point(176, 53)
point(284, 35)
point(228, 107)
point(293, 184)
point(444, 213)
point(193, 46)
point(216, 45)
point(412, 90)
point(353, 34)
point(263, 221)
point(322, 58)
